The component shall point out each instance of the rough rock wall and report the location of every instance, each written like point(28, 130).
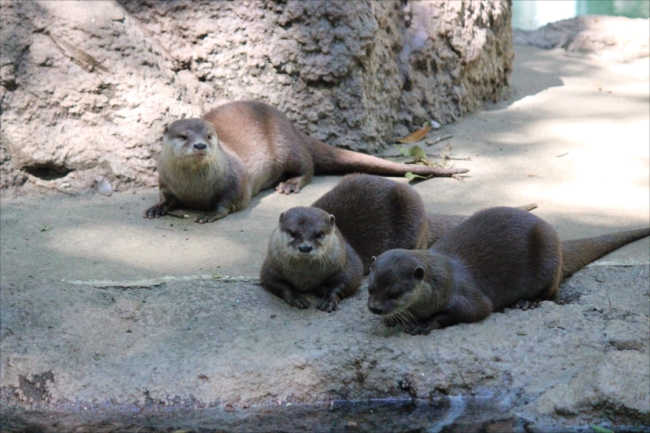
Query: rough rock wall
point(88, 86)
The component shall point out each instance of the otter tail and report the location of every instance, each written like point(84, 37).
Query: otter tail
point(332, 160)
point(578, 253)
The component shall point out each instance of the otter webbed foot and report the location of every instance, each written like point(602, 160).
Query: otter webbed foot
point(329, 304)
point(421, 328)
point(220, 212)
point(527, 305)
point(156, 211)
point(296, 301)
point(290, 185)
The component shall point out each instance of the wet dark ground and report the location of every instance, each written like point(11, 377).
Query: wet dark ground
point(451, 415)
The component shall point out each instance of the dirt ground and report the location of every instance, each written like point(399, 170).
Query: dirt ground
point(104, 309)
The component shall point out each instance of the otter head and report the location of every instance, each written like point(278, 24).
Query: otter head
point(190, 140)
point(307, 232)
point(395, 282)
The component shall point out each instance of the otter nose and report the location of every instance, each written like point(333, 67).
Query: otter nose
point(305, 248)
point(200, 146)
point(375, 310)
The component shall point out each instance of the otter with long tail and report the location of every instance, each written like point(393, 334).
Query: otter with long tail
point(497, 258)
point(216, 164)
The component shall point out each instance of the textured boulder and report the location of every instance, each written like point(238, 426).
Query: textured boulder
point(87, 87)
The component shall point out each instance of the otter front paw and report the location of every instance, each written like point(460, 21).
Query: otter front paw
point(156, 211)
point(212, 216)
point(289, 186)
point(296, 301)
point(421, 328)
point(328, 305)
point(527, 305)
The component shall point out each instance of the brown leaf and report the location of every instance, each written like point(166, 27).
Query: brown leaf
point(415, 136)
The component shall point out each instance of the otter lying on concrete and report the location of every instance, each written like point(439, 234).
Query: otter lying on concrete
point(493, 260)
point(216, 164)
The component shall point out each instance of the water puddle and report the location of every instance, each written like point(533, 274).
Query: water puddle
point(449, 415)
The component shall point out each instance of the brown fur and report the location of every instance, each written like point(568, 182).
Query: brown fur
point(308, 254)
point(260, 148)
point(495, 259)
point(376, 214)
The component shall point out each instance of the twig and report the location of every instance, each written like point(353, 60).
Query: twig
point(439, 139)
point(176, 215)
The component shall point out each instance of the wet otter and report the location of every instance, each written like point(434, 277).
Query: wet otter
point(308, 254)
point(495, 259)
point(218, 163)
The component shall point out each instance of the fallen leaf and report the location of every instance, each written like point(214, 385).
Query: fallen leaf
point(416, 152)
point(415, 136)
point(411, 176)
point(46, 228)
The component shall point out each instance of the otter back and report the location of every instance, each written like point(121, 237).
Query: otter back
point(376, 214)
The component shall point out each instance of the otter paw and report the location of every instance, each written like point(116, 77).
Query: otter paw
point(210, 217)
point(328, 305)
point(155, 211)
point(421, 328)
point(527, 305)
point(291, 185)
point(297, 301)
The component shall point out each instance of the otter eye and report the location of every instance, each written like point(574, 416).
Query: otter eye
point(291, 233)
point(320, 235)
point(209, 136)
point(182, 137)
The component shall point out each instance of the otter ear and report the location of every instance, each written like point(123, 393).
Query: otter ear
point(419, 273)
point(372, 259)
point(166, 129)
point(332, 219)
point(281, 215)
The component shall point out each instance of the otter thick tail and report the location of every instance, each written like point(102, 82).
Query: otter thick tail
point(578, 253)
point(332, 160)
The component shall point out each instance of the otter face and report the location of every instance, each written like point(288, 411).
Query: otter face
point(306, 231)
point(394, 281)
point(192, 140)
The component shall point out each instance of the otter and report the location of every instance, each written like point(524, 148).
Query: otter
point(308, 254)
point(495, 259)
point(218, 163)
point(376, 214)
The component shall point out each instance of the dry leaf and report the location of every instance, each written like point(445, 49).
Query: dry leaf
point(416, 136)
point(412, 176)
point(416, 152)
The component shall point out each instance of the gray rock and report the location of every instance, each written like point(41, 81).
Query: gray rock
point(228, 342)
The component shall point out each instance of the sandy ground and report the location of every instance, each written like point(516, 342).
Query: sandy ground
point(572, 136)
